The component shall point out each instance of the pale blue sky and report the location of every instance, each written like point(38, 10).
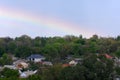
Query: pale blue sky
point(100, 16)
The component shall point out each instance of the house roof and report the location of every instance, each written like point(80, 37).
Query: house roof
point(108, 56)
point(36, 56)
point(65, 65)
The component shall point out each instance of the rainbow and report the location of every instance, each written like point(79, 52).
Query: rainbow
point(47, 22)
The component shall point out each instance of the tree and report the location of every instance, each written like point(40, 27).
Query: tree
point(73, 73)
point(98, 68)
point(34, 77)
point(117, 69)
point(9, 73)
point(52, 73)
point(5, 59)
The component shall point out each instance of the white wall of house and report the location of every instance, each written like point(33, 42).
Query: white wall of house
point(37, 60)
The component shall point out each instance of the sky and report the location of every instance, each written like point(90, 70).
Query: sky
point(59, 18)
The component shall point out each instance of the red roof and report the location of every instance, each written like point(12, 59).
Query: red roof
point(108, 56)
point(65, 65)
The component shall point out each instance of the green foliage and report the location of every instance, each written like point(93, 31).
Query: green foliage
point(98, 68)
point(73, 73)
point(34, 66)
point(9, 73)
point(117, 69)
point(58, 47)
point(34, 77)
point(117, 53)
point(52, 73)
point(5, 59)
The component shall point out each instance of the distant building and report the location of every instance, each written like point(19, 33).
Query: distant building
point(73, 62)
point(66, 65)
point(116, 77)
point(26, 74)
point(9, 66)
point(20, 64)
point(36, 58)
point(108, 56)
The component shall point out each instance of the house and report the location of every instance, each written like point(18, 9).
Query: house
point(116, 77)
point(108, 56)
point(73, 62)
point(10, 67)
point(36, 58)
point(26, 74)
point(66, 65)
point(79, 60)
point(69, 57)
point(76, 61)
point(20, 64)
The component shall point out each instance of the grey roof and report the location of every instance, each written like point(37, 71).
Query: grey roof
point(36, 56)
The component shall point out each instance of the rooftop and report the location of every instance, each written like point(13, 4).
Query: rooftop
point(36, 56)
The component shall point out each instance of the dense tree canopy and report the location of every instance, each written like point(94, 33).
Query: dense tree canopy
point(59, 47)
